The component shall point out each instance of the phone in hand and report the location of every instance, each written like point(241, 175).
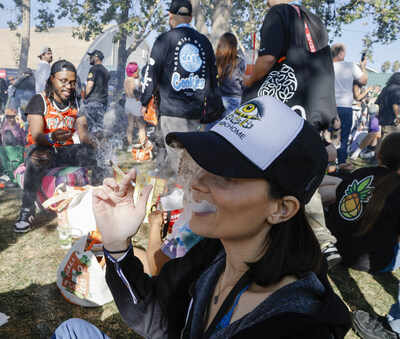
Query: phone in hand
point(363, 56)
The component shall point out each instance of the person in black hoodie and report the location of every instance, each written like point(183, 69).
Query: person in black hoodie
point(260, 270)
point(182, 65)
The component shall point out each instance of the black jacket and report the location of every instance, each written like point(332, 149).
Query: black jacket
point(182, 64)
point(158, 307)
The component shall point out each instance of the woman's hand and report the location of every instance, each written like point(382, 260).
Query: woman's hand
point(18, 120)
point(117, 219)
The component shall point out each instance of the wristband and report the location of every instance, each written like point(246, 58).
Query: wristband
point(50, 138)
point(117, 252)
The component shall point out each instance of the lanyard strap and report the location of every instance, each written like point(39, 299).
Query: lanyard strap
point(243, 282)
point(308, 34)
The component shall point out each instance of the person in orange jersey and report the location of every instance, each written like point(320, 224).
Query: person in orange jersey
point(52, 118)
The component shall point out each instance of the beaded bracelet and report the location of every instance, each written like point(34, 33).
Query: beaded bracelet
point(49, 138)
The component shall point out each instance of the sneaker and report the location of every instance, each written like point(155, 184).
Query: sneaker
point(25, 220)
point(5, 178)
point(367, 154)
point(10, 184)
point(372, 327)
point(332, 255)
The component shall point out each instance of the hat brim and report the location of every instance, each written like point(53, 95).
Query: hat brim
point(215, 154)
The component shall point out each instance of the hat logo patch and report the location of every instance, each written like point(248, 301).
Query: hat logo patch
point(242, 117)
point(280, 84)
point(245, 115)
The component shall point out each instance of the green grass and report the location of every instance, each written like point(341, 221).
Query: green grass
point(29, 295)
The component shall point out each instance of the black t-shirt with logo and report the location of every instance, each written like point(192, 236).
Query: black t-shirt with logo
point(374, 250)
point(390, 96)
point(275, 30)
point(100, 76)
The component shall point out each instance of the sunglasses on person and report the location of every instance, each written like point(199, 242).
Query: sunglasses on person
point(10, 116)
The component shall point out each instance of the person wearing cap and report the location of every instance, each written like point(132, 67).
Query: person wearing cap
point(259, 271)
point(23, 89)
point(52, 117)
point(96, 92)
point(182, 65)
point(43, 68)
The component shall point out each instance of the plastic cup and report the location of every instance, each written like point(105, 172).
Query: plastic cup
point(251, 56)
point(76, 234)
point(64, 234)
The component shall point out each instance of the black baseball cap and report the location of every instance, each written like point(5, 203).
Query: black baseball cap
point(263, 138)
point(176, 5)
point(97, 53)
point(27, 71)
point(62, 66)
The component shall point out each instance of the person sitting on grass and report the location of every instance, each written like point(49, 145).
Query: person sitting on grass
point(12, 134)
point(258, 272)
point(365, 218)
point(52, 118)
point(13, 138)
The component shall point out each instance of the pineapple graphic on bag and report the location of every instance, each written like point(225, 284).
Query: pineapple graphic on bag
point(358, 192)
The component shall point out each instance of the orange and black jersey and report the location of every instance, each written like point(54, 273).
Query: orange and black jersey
point(56, 115)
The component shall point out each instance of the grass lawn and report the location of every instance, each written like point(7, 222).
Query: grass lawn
point(29, 295)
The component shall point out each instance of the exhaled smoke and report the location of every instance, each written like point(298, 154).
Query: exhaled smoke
point(108, 135)
point(203, 206)
point(188, 168)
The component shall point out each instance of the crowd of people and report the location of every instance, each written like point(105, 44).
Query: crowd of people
point(271, 200)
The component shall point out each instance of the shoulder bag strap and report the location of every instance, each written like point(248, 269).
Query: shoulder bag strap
point(310, 41)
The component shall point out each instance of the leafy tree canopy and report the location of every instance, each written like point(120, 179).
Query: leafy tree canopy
point(396, 66)
point(385, 66)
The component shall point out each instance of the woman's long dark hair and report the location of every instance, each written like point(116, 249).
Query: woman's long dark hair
point(291, 248)
point(226, 56)
point(389, 156)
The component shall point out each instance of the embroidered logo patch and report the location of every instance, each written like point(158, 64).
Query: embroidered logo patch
point(90, 75)
point(351, 204)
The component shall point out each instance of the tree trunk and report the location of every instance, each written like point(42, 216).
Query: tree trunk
point(199, 18)
point(122, 56)
point(121, 67)
point(25, 36)
point(220, 20)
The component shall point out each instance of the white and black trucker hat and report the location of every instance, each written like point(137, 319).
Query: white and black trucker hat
point(263, 138)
